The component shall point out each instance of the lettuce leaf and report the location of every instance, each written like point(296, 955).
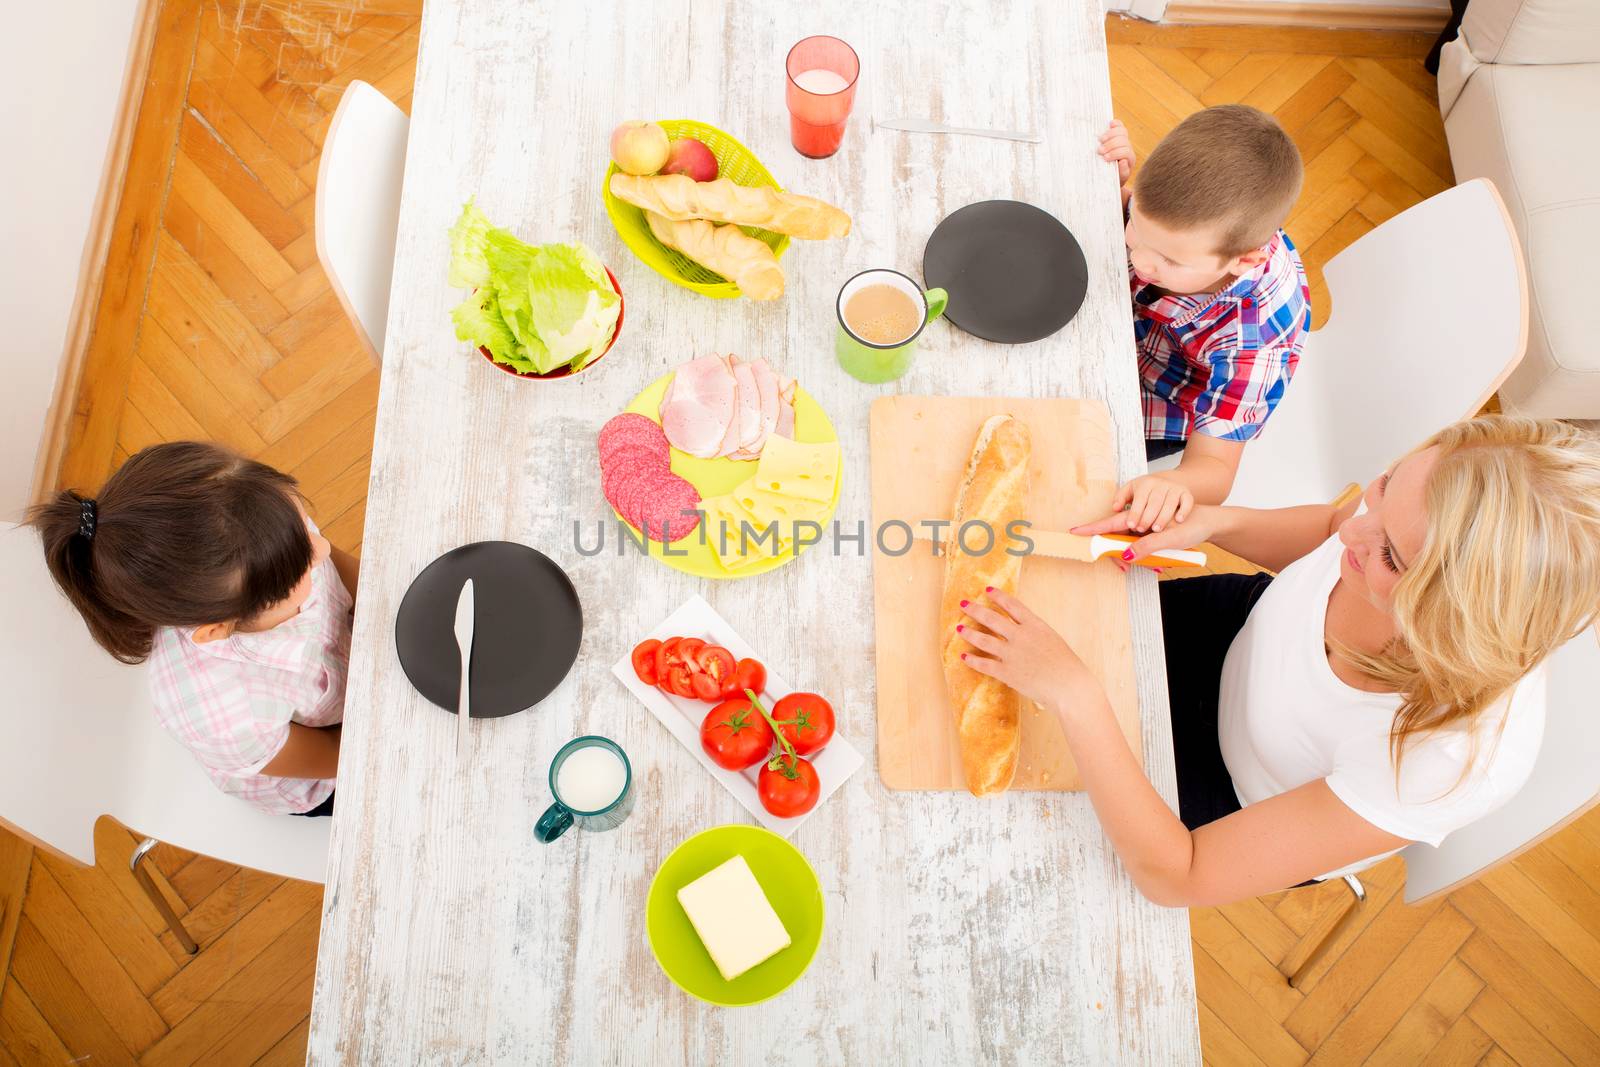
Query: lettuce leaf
point(536, 307)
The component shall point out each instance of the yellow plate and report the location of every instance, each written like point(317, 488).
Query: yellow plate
point(713, 477)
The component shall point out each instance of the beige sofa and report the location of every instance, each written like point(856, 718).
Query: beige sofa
point(1520, 93)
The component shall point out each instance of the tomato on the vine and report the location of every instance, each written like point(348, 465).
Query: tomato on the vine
point(788, 786)
point(806, 720)
point(735, 735)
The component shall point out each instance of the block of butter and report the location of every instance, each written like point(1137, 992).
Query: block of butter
point(733, 918)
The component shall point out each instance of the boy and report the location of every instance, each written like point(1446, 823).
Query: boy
point(1220, 302)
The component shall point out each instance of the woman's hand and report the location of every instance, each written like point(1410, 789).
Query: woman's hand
point(1203, 524)
point(1023, 651)
point(1116, 147)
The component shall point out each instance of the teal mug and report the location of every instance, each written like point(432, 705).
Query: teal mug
point(593, 785)
point(883, 356)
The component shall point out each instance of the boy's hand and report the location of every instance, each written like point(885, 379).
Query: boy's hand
point(1115, 147)
point(1153, 503)
point(1022, 650)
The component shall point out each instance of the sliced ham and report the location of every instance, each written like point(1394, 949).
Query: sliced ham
point(700, 406)
point(768, 384)
point(748, 407)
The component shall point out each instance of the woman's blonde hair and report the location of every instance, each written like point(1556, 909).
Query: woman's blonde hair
point(1509, 569)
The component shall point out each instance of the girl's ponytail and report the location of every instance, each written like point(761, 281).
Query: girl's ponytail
point(183, 534)
point(67, 524)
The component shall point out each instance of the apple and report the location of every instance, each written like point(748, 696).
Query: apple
point(639, 147)
point(691, 157)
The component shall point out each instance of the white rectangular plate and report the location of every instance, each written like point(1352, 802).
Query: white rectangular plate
point(682, 717)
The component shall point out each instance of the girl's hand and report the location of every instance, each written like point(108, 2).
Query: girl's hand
point(1022, 651)
point(1153, 502)
point(1116, 147)
point(1205, 521)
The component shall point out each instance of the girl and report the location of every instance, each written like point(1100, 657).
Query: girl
point(205, 564)
point(1386, 687)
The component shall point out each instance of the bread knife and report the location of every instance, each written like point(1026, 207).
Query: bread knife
point(1100, 546)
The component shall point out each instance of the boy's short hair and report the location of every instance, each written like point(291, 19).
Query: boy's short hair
point(1230, 167)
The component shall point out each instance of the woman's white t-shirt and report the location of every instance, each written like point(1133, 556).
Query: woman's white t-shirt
point(1285, 719)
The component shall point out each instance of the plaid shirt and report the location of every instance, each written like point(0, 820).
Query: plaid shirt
point(1218, 364)
point(230, 702)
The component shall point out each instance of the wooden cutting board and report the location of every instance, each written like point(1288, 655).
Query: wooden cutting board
point(920, 449)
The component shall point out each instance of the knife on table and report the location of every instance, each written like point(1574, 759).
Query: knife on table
point(924, 126)
point(1100, 546)
point(465, 618)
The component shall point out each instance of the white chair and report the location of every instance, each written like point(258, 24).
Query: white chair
point(79, 739)
point(1564, 785)
point(358, 206)
point(1430, 314)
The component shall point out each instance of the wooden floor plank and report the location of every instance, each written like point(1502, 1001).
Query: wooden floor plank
point(1375, 43)
point(91, 963)
point(1464, 1042)
point(1440, 1007)
point(1399, 987)
point(1281, 86)
point(133, 943)
point(76, 1016)
point(1255, 973)
point(1223, 994)
point(1220, 1046)
point(214, 413)
point(290, 1051)
point(1495, 1016)
point(25, 1034)
point(302, 441)
point(225, 170)
point(212, 205)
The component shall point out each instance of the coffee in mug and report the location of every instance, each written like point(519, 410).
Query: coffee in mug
point(882, 315)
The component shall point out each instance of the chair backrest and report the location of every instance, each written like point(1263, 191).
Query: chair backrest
point(79, 739)
point(358, 205)
point(1430, 313)
point(1565, 782)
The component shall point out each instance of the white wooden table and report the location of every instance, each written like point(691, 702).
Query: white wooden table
point(958, 931)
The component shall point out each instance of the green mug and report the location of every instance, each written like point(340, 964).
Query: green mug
point(592, 781)
point(875, 362)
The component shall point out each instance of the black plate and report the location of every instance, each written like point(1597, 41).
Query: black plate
point(1013, 272)
point(525, 637)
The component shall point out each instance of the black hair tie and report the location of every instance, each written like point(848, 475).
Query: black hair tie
point(87, 517)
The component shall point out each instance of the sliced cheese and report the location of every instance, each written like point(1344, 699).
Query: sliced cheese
point(733, 917)
point(736, 547)
point(792, 468)
point(776, 507)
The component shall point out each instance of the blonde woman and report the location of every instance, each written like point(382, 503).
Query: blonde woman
point(1386, 687)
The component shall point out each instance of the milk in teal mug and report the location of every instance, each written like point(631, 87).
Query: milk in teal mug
point(593, 786)
point(881, 314)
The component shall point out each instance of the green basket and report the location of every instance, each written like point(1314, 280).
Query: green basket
point(734, 162)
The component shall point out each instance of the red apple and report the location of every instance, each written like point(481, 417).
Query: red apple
point(691, 157)
point(639, 147)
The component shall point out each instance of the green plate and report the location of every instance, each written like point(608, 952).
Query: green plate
point(790, 884)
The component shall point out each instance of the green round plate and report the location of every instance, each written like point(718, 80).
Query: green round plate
point(790, 884)
point(713, 477)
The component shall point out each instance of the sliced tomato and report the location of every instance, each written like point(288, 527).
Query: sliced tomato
point(687, 649)
point(806, 720)
point(678, 680)
point(644, 660)
point(735, 735)
point(717, 662)
point(705, 687)
point(747, 674)
point(788, 786)
point(666, 655)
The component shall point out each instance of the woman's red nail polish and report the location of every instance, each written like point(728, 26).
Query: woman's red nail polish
point(960, 627)
point(964, 603)
point(963, 655)
point(1127, 554)
point(988, 589)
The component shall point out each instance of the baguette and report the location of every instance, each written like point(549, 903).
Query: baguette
point(679, 197)
point(988, 714)
point(728, 250)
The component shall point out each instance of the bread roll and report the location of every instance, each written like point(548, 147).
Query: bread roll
point(988, 714)
point(728, 250)
point(679, 197)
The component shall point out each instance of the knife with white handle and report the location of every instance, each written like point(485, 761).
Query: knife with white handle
point(465, 617)
point(924, 126)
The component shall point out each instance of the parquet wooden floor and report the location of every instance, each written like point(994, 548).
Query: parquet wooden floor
point(220, 324)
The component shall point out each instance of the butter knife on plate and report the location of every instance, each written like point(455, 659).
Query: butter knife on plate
point(1101, 546)
point(466, 617)
point(924, 126)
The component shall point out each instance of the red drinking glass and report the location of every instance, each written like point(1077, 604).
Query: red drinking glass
point(820, 92)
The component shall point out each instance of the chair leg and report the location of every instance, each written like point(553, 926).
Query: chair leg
point(142, 876)
point(1358, 895)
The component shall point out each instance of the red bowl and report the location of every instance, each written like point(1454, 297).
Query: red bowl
point(567, 371)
